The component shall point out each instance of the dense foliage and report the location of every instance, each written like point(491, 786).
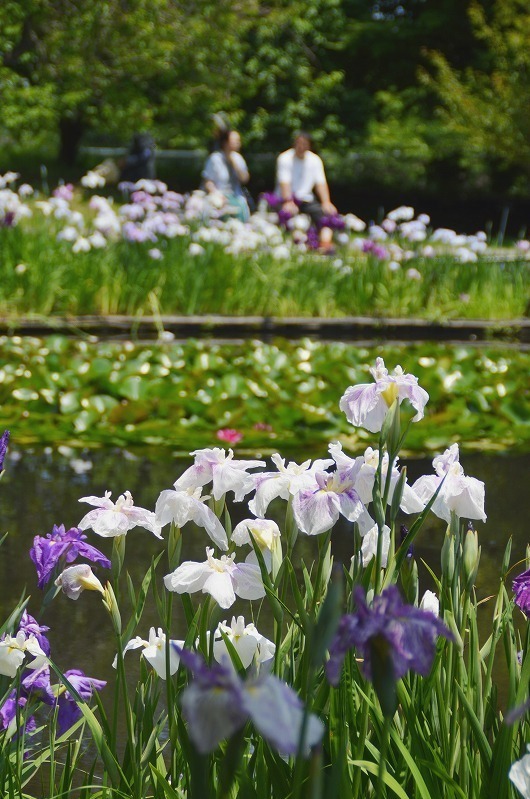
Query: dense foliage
point(369, 76)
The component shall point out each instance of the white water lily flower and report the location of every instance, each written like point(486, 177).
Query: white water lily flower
point(110, 519)
point(220, 577)
point(225, 472)
point(459, 494)
point(369, 545)
point(76, 579)
point(245, 639)
point(366, 404)
point(154, 651)
point(266, 534)
point(287, 481)
point(182, 506)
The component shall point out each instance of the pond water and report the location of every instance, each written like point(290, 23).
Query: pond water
point(42, 487)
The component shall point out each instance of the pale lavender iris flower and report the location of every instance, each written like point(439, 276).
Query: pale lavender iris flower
point(317, 507)
point(519, 774)
point(366, 404)
point(287, 481)
point(364, 469)
point(218, 702)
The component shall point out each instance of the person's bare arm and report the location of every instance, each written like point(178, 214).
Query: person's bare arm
point(288, 203)
point(322, 192)
point(242, 173)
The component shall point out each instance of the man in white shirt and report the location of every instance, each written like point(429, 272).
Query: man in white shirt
point(300, 175)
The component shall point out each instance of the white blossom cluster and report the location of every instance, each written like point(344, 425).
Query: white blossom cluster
point(153, 214)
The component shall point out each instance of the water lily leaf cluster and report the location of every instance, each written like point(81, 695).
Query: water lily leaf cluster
point(266, 395)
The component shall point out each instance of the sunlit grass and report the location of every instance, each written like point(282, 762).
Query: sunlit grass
point(41, 276)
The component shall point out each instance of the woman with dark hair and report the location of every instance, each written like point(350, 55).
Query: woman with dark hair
point(224, 175)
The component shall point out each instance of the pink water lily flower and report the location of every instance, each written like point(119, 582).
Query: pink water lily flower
point(366, 404)
point(110, 519)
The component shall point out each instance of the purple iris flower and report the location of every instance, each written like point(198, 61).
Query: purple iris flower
point(521, 589)
point(4, 441)
point(8, 713)
point(30, 626)
point(333, 221)
point(71, 544)
point(218, 702)
point(272, 199)
point(85, 686)
point(37, 684)
point(283, 217)
point(313, 241)
point(389, 629)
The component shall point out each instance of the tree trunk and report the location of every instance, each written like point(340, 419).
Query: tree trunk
point(70, 132)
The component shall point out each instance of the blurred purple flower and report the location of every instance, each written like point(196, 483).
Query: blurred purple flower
point(313, 241)
point(65, 192)
point(334, 221)
point(47, 551)
point(272, 199)
point(283, 217)
point(68, 709)
point(218, 703)
point(4, 441)
point(521, 589)
point(380, 252)
point(388, 629)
